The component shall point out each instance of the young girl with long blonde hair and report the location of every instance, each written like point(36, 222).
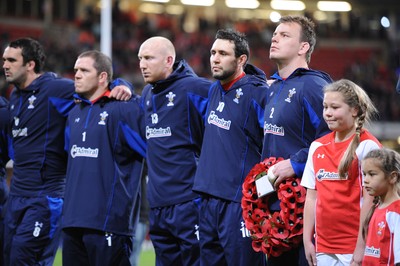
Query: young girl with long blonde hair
point(335, 201)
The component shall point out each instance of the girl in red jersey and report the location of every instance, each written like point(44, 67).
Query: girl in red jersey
point(381, 170)
point(335, 201)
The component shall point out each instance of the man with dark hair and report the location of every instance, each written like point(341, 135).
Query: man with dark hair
point(39, 105)
point(293, 114)
point(231, 147)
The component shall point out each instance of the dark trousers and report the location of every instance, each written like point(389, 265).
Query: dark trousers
point(82, 246)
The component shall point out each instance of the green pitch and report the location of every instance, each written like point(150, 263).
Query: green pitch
point(147, 258)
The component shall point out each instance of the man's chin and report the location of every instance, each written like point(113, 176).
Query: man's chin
point(148, 80)
point(218, 76)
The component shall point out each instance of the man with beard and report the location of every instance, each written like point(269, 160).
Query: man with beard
point(231, 147)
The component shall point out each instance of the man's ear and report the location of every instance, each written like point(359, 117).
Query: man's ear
point(170, 60)
point(242, 60)
point(305, 46)
point(103, 76)
point(31, 65)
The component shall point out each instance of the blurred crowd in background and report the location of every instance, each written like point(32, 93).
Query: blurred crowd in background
point(375, 67)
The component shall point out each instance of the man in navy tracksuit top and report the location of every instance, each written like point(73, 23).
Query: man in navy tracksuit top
point(174, 103)
point(293, 114)
point(4, 115)
point(39, 104)
point(105, 155)
point(231, 147)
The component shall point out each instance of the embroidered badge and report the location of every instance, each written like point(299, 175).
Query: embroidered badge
point(239, 93)
point(170, 97)
point(291, 93)
point(103, 117)
point(31, 101)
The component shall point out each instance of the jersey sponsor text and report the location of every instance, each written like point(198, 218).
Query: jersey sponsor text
point(84, 152)
point(158, 132)
point(372, 252)
point(273, 129)
point(324, 175)
point(213, 119)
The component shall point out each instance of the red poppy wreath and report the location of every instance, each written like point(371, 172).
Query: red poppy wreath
point(276, 232)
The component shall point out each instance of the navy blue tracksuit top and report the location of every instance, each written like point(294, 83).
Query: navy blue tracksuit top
point(174, 111)
point(293, 118)
point(38, 114)
point(105, 155)
point(233, 135)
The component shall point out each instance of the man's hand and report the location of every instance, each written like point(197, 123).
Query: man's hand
point(282, 171)
point(121, 93)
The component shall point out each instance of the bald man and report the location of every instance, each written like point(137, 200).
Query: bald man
point(174, 102)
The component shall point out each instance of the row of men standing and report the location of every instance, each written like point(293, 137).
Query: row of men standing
point(200, 139)
point(196, 177)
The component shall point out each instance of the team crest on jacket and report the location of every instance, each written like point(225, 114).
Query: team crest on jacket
point(31, 102)
point(239, 92)
point(103, 117)
point(170, 97)
point(381, 227)
point(291, 93)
